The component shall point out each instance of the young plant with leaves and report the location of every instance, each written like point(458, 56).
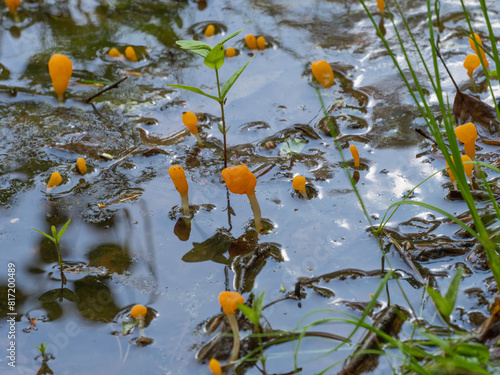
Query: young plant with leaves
point(56, 237)
point(213, 58)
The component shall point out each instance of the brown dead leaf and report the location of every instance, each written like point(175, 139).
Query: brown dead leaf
point(466, 108)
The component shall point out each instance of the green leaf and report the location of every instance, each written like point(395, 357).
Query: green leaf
point(70, 295)
point(127, 326)
point(473, 349)
point(493, 73)
point(250, 313)
point(230, 82)
point(441, 303)
point(54, 231)
point(259, 303)
point(221, 129)
point(197, 91)
point(230, 36)
point(200, 48)
point(50, 295)
point(45, 234)
point(215, 58)
point(293, 146)
point(63, 229)
point(451, 294)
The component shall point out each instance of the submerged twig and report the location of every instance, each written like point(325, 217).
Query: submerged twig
point(107, 88)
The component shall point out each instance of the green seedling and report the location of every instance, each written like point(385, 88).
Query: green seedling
point(42, 348)
point(56, 238)
point(213, 58)
point(446, 303)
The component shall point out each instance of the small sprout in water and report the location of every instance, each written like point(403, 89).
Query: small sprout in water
point(60, 70)
point(228, 302)
point(130, 53)
point(467, 134)
point(239, 180)
point(81, 167)
point(138, 312)
point(473, 46)
point(261, 43)
point(230, 52)
point(190, 120)
point(250, 41)
point(178, 176)
point(355, 155)
point(214, 366)
point(114, 53)
point(381, 6)
point(471, 63)
point(55, 180)
point(209, 31)
point(323, 73)
point(13, 5)
point(299, 183)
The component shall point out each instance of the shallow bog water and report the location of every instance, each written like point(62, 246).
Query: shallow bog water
point(132, 249)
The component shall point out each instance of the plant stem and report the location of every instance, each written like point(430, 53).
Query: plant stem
point(185, 204)
point(256, 211)
point(236, 337)
point(221, 102)
point(59, 258)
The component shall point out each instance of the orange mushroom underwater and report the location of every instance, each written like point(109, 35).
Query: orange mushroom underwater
point(178, 177)
point(239, 180)
point(214, 366)
point(55, 180)
point(130, 53)
point(81, 167)
point(323, 73)
point(60, 70)
point(471, 63)
point(190, 120)
point(114, 53)
point(261, 43)
point(467, 134)
point(209, 31)
point(230, 52)
point(355, 155)
point(228, 302)
point(299, 183)
point(250, 41)
point(476, 37)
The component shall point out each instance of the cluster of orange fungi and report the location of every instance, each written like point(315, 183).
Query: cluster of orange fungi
point(255, 43)
point(472, 62)
point(467, 134)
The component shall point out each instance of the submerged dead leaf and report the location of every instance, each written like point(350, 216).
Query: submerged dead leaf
point(466, 108)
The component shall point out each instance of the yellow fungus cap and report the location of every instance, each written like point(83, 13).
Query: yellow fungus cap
point(81, 166)
point(55, 180)
point(467, 134)
point(250, 41)
point(190, 120)
point(261, 43)
point(178, 176)
point(60, 70)
point(230, 52)
point(228, 301)
point(467, 167)
point(239, 179)
point(323, 73)
point(130, 53)
point(452, 178)
point(13, 5)
point(471, 63)
point(114, 53)
point(210, 31)
point(214, 366)
point(138, 311)
point(473, 46)
point(381, 5)
point(299, 183)
point(355, 155)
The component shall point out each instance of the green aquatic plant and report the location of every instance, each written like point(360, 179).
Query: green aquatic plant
point(42, 348)
point(446, 303)
point(214, 59)
point(56, 238)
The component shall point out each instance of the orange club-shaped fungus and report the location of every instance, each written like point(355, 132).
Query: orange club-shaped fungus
point(476, 37)
point(178, 176)
point(190, 120)
point(261, 43)
point(114, 53)
point(209, 31)
point(250, 41)
point(230, 52)
point(467, 167)
point(228, 302)
point(323, 73)
point(471, 63)
point(355, 155)
point(13, 5)
point(60, 70)
point(452, 177)
point(55, 180)
point(215, 367)
point(381, 6)
point(130, 53)
point(239, 180)
point(139, 312)
point(467, 134)
point(81, 167)
point(299, 184)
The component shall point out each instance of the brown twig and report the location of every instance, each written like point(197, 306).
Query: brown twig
point(107, 88)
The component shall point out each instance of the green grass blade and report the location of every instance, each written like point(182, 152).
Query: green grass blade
point(230, 36)
point(46, 235)
point(230, 82)
point(196, 90)
point(63, 229)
